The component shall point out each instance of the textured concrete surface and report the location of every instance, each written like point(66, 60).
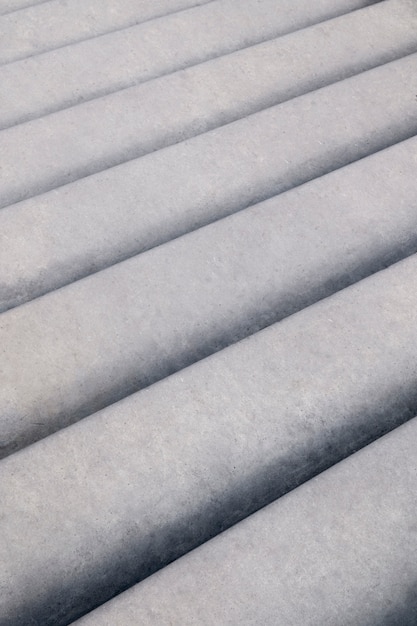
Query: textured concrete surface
point(91, 343)
point(377, 107)
point(174, 177)
point(94, 222)
point(125, 491)
point(49, 25)
point(348, 44)
point(340, 550)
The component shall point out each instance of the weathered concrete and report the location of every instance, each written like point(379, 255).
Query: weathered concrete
point(42, 28)
point(378, 108)
point(91, 343)
point(346, 45)
point(100, 505)
point(49, 25)
point(341, 549)
point(58, 237)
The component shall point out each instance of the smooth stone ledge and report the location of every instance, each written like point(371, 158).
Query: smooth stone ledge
point(48, 25)
point(341, 549)
point(99, 506)
point(56, 238)
point(93, 68)
point(62, 147)
point(91, 343)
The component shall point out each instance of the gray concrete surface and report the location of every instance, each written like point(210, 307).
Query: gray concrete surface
point(93, 342)
point(311, 105)
point(339, 551)
point(378, 108)
point(49, 25)
point(351, 43)
point(64, 235)
point(100, 505)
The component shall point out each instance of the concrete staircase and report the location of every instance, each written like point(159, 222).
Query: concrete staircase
point(208, 312)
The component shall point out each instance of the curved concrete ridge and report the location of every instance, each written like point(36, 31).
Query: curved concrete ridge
point(341, 549)
point(99, 506)
point(111, 130)
point(59, 237)
point(91, 343)
point(34, 87)
point(49, 25)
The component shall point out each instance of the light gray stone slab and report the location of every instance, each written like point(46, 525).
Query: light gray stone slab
point(91, 343)
point(340, 550)
point(100, 505)
point(49, 25)
point(70, 144)
point(65, 77)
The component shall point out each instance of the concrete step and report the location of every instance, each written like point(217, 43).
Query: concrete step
point(122, 211)
point(208, 260)
point(341, 549)
point(379, 104)
point(95, 341)
point(99, 66)
point(50, 25)
point(102, 504)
